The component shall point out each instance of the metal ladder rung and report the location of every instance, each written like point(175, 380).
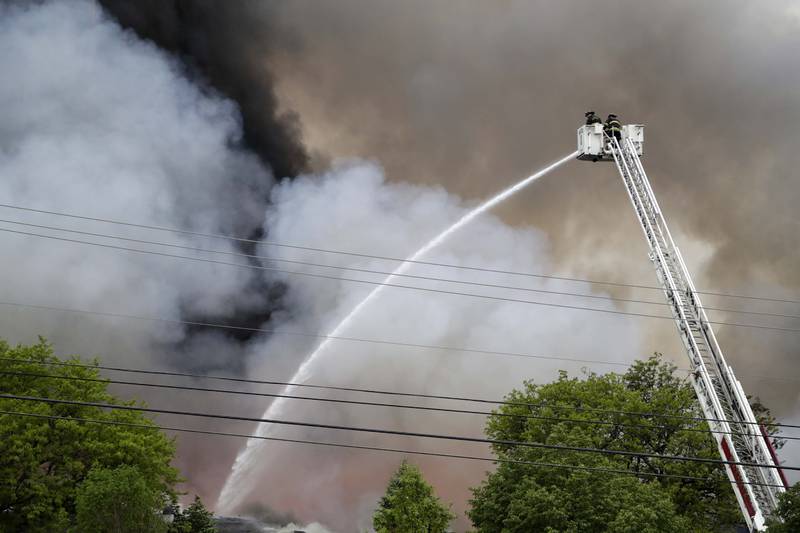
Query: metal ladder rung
point(711, 379)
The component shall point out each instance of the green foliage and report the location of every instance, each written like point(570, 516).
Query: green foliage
point(410, 506)
point(522, 498)
point(582, 502)
point(787, 519)
point(118, 500)
point(44, 460)
point(765, 417)
point(194, 519)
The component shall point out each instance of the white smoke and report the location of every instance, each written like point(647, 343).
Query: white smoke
point(310, 528)
point(100, 123)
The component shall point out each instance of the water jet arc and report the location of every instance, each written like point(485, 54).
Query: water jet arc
point(229, 496)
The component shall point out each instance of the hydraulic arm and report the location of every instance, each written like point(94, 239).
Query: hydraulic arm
point(739, 436)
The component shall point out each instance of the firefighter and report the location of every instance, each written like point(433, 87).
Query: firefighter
point(613, 127)
point(592, 118)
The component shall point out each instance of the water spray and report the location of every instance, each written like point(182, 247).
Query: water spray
point(233, 490)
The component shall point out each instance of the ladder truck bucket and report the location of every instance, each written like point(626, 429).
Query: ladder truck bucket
point(593, 143)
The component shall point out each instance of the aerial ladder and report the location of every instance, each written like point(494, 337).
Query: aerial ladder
point(741, 440)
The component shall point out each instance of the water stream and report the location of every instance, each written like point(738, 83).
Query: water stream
point(233, 490)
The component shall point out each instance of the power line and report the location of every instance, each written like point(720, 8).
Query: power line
point(376, 404)
point(384, 273)
point(343, 338)
point(380, 257)
point(313, 335)
point(438, 436)
point(394, 285)
point(384, 392)
point(369, 448)
point(335, 278)
point(339, 267)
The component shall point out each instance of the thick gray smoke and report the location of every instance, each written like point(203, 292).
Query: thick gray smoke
point(468, 96)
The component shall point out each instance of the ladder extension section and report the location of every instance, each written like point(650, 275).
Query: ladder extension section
point(735, 428)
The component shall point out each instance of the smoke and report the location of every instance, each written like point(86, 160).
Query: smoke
point(100, 123)
point(472, 92)
point(219, 46)
point(223, 45)
point(185, 122)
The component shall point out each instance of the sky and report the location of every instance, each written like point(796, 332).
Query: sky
point(368, 127)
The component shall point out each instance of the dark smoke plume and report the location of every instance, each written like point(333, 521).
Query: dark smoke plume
point(222, 44)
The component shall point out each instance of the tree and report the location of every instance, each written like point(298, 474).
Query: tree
point(521, 497)
point(194, 519)
point(765, 418)
point(44, 461)
point(118, 500)
point(787, 515)
point(410, 506)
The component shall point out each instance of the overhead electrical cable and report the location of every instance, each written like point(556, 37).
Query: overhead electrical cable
point(335, 267)
point(362, 447)
point(416, 434)
point(394, 285)
point(384, 273)
point(527, 416)
point(343, 338)
point(382, 392)
point(380, 257)
point(314, 335)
